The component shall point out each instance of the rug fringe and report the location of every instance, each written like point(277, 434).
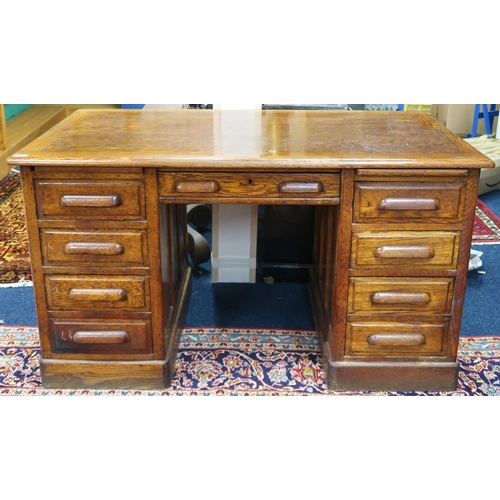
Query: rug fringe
point(23, 282)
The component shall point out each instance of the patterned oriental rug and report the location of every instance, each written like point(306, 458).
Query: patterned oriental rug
point(14, 256)
point(14, 253)
point(229, 362)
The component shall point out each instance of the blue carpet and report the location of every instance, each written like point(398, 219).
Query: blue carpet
point(17, 307)
point(247, 305)
point(244, 305)
point(492, 201)
point(481, 315)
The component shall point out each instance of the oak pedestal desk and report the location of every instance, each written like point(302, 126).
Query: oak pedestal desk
point(105, 193)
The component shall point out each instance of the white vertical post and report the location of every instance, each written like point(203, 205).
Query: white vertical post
point(234, 227)
point(234, 243)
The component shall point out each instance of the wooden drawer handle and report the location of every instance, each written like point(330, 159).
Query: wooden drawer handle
point(409, 204)
point(400, 298)
point(396, 340)
point(407, 252)
point(107, 294)
point(92, 201)
point(104, 337)
point(93, 248)
point(196, 187)
point(300, 187)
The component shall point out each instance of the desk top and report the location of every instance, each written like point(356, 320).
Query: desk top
point(267, 140)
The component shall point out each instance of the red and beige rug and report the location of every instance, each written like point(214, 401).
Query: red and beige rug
point(14, 256)
point(486, 225)
point(230, 362)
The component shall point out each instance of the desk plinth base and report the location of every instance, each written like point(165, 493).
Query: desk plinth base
point(390, 375)
point(61, 374)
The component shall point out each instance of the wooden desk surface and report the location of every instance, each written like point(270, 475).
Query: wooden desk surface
point(265, 140)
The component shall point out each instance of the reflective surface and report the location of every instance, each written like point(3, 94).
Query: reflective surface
point(270, 139)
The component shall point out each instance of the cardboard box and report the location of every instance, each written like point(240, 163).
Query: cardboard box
point(489, 179)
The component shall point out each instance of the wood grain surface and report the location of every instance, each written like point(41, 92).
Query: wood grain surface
point(192, 139)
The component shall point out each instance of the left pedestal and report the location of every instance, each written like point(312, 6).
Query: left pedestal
point(110, 276)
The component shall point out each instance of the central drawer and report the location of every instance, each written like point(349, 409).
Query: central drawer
point(249, 187)
point(97, 293)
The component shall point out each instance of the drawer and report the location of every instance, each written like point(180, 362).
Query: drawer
point(97, 293)
point(100, 337)
point(405, 250)
point(90, 200)
point(94, 248)
point(250, 187)
point(409, 202)
point(395, 339)
point(400, 295)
